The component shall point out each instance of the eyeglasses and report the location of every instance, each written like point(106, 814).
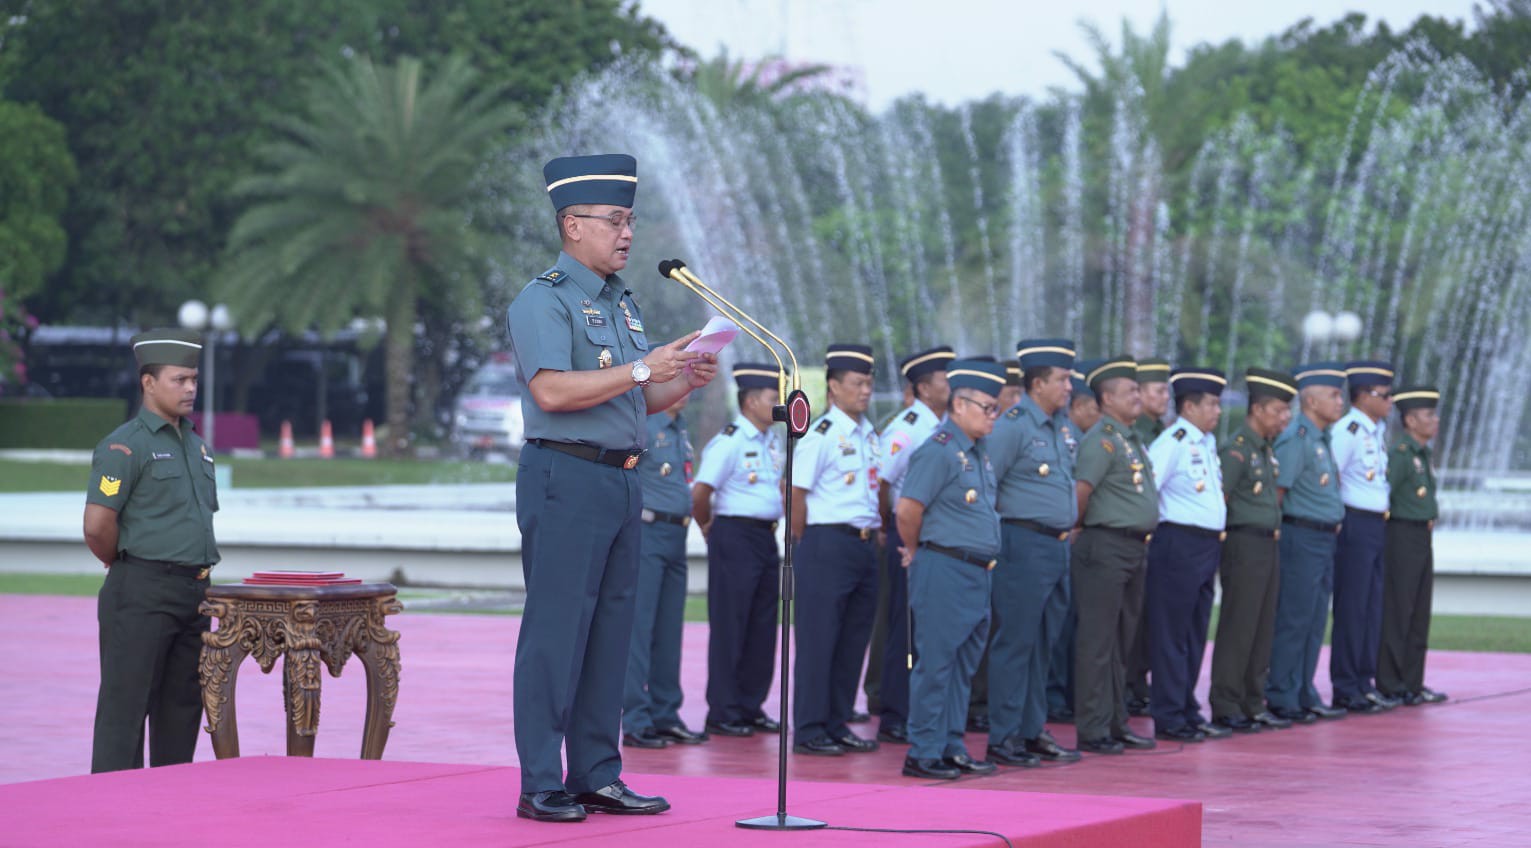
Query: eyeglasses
point(989, 409)
point(1380, 395)
point(617, 220)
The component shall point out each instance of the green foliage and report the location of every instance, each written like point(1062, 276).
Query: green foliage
point(64, 423)
point(36, 172)
point(363, 208)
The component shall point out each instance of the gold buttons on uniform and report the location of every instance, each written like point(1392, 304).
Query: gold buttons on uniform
point(1421, 491)
point(753, 477)
point(1201, 485)
point(1137, 478)
point(664, 470)
point(604, 359)
point(971, 496)
point(1323, 479)
point(850, 477)
point(1371, 475)
point(1259, 487)
point(1043, 470)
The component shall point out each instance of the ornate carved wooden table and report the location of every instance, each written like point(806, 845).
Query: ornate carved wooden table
point(306, 625)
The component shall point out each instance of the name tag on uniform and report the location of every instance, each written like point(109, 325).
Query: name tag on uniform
point(634, 324)
point(595, 320)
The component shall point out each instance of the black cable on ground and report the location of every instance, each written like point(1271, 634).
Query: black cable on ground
point(1450, 702)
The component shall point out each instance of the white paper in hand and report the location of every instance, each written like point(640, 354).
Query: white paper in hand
point(715, 336)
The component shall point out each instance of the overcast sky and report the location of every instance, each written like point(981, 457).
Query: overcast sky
point(957, 50)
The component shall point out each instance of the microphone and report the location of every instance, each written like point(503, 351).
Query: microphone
point(680, 269)
point(670, 268)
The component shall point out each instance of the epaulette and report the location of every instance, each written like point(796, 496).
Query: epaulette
point(730, 429)
point(1239, 439)
point(1403, 448)
point(1180, 435)
point(1302, 431)
point(1108, 428)
point(824, 425)
point(1015, 412)
point(942, 437)
point(911, 417)
point(1354, 426)
point(553, 275)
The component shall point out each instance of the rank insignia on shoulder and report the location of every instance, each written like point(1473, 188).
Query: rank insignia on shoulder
point(1239, 439)
point(129, 451)
point(1180, 435)
point(552, 275)
point(911, 417)
point(1354, 426)
point(1105, 445)
point(824, 425)
point(730, 429)
point(941, 438)
point(1302, 431)
point(1108, 428)
point(1015, 412)
point(110, 486)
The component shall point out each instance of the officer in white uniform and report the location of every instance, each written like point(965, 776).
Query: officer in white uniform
point(1184, 553)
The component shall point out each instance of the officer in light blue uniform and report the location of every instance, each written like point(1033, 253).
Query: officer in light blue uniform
point(835, 522)
point(926, 373)
point(1360, 454)
point(1311, 511)
point(1184, 553)
point(737, 502)
point(652, 698)
point(1033, 448)
point(1083, 412)
point(947, 504)
point(589, 378)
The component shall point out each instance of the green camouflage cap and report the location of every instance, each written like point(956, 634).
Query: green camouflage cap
point(1152, 369)
point(1117, 366)
point(181, 348)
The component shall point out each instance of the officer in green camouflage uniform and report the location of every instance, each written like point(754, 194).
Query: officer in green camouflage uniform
point(149, 519)
point(1153, 382)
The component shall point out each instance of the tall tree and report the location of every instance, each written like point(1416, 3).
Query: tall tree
point(364, 207)
point(36, 172)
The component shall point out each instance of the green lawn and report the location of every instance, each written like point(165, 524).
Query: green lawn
point(1502, 634)
point(18, 476)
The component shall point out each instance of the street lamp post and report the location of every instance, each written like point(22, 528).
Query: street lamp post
point(194, 315)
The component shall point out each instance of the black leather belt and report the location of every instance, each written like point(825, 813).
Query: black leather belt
point(1136, 535)
point(760, 523)
point(650, 516)
point(862, 533)
point(193, 572)
point(1035, 527)
point(1320, 526)
point(1262, 532)
point(1196, 531)
point(1366, 513)
point(1412, 522)
point(619, 458)
point(986, 563)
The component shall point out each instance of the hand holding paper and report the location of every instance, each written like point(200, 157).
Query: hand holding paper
point(715, 336)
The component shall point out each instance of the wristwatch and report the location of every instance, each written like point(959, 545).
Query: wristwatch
point(642, 373)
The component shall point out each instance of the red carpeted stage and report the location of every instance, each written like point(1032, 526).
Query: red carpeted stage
point(265, 801)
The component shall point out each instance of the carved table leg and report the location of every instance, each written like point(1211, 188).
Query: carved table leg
point(223, 650)
point(378, 648)
point(300, 667)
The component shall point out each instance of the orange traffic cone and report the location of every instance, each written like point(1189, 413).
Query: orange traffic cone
point(326, 441)
point(284, 447)
point(368, 440)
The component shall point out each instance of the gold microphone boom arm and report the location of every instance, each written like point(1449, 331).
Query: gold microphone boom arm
point(708, 296)
point(686, 272)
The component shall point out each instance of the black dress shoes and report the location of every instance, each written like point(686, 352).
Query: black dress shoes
point(765, 724)
point(1136, 742)
point(1137, 707)
point(853, 744)
point(858, 717)
point(930, 769)
point(1183, 733)
point(1321, 711)
point(1103, 745)
point(1047, 748)
point(820, 747)
point(617, 799)
point(1430, 696)
point(1011, 755)
point(978, 723)
point(1271, 720)
point(967, 765)
point(729, 728)
point(1381, 700)
point(893, 734)
point(552, 806)
point(1294, 716)
point(1238, 724)
point(682, 734)
point(648, 737)
point(1212, 731)
point(1360, 705)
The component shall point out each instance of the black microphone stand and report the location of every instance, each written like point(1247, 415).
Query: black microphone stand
point(797, 414)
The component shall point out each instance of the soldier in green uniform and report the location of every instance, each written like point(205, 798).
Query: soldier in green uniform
point(1119, 507)
point(1153, 381)
point(1251, 564)
point(1409, 569)
point(149, 519)
point(1084, 411)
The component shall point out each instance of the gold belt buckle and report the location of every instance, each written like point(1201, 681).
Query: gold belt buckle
point(685, 521)
point(1223, 536)
point(866, 533)
point(1277, 534)
point(1148, 537)
point(630, 463)
point(992, 563)
point(1063, 537)
point(202, 575)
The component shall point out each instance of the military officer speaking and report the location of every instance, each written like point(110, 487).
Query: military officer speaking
point(835, 522)
point(926, 373)
point(1183, 556)
point(947, 519)
point(1033, 447)
point(1153, 380)
point(590, 377)
point(1311, 511)
point(1250, 569)
point(149, 519)
point(737, 502)
point(1410, 565)
point(652, 696)
point(1360, 457)
point(1119, 507)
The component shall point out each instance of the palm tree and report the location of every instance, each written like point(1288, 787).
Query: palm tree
point(729, 83)
point(362, 209)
